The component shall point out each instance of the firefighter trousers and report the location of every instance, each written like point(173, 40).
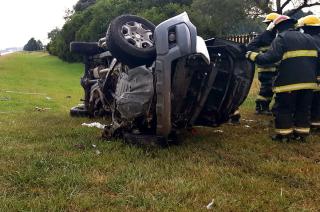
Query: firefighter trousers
point(293, 112)
point(315, 110)
point(265, 93)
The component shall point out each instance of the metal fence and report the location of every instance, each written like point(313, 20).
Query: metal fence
point(244, 39)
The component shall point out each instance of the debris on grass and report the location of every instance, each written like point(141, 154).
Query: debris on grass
point(218, 131)
point(48, 98)
point(4, 99)
point(210, 205)
point(39, 109)
point(248, 120)
point(25, 93)
point(68, 97)
point(98, 152)
point(94, 124)
point(80, 146)
point(247, 126)
point(11, 112)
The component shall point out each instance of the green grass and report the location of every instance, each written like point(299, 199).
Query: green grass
point(41, 169)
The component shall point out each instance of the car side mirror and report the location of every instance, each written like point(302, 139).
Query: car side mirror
point(201, 49)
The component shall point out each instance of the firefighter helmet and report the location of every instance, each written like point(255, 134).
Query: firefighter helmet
point(310, 20)
point(283, 18)
point(270, 17)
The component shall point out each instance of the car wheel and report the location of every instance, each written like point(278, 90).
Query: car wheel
point(130, 40)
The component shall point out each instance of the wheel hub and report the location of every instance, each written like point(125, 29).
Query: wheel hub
point(138, 35)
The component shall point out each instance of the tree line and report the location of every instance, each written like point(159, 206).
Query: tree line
point(33, 45)
point(89, 19)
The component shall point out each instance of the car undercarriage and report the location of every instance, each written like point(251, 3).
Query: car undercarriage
point(154, 81)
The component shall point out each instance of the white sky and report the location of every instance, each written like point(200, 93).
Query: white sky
point(22, 19)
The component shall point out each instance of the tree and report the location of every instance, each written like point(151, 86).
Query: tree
point(33, 45)
point(40, 45)
point(220, 18)
point(91, 18)
point(68, 14)
point(53, 33)
point(83, 4)
point(281, 6)
point(301, 14)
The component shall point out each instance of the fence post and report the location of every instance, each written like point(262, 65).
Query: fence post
point(243, 39)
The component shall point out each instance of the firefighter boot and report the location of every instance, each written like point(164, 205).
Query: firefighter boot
point(235, 117)
point(281, 138)
point(300, 137)
point(262, 107)
point(258, 107)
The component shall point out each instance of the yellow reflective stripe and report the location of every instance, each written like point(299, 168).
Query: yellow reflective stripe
point(300, 53)
point(284, 131)
point(294, 87)
point(259, 97)
point(237, 112)
point(318, 85)
point(302, 130)
point(315, 124)
point(264, 48)
point(253, 56)
point(317, 89)
point(269, 69)
point(277, 63)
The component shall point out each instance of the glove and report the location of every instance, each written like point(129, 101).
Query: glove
point(270, 27)
point(251, 55)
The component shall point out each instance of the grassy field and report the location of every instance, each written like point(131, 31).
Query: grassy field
point(48, 162)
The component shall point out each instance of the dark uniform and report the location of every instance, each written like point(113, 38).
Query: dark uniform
point(295, 80)
point(266, 73)
point(315, 108)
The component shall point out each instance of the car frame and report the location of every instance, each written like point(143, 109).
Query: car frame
point(195, 82)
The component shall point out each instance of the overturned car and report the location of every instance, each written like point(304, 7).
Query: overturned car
point(154, 81)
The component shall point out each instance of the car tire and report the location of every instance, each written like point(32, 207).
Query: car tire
point(86, 48)
point(133, 47)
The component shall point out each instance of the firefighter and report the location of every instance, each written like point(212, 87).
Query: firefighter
point(295, 80)
point(266, 73)
point(311, 25)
